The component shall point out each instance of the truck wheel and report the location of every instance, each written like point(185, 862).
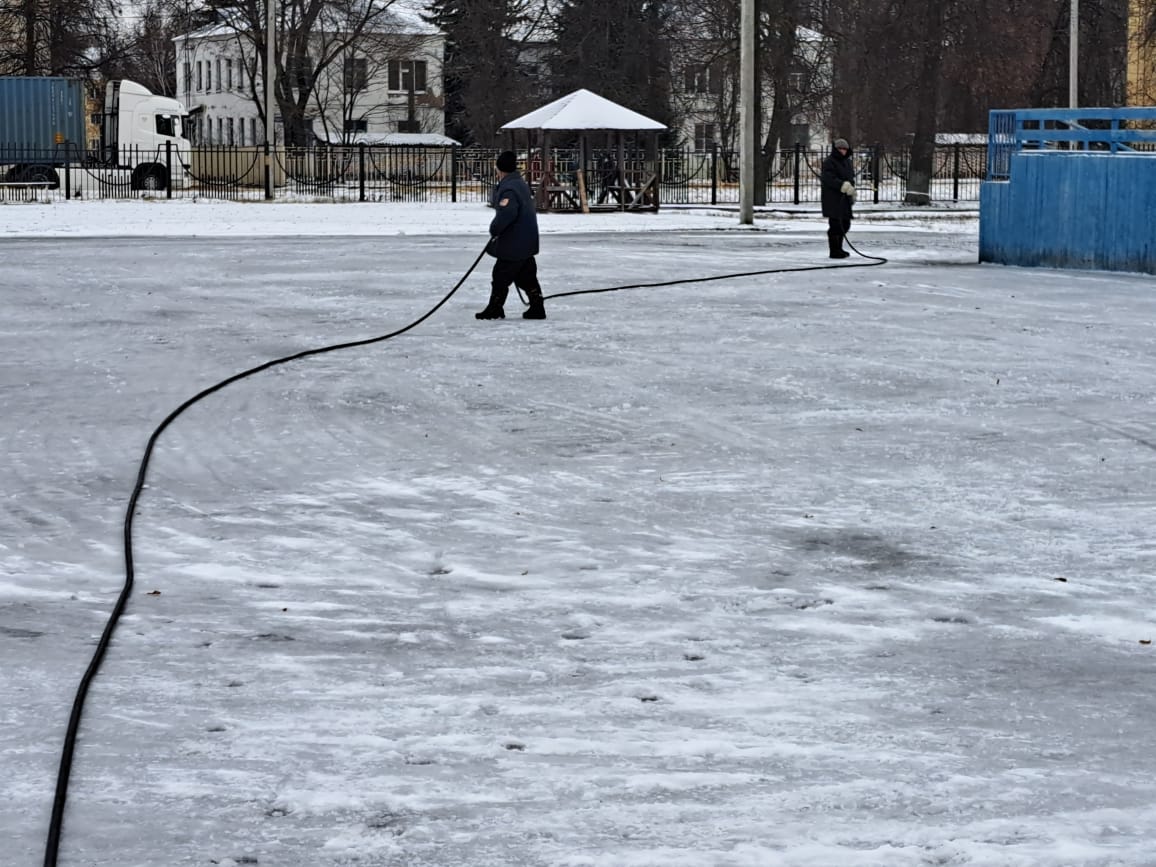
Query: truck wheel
point(40, 175)
point(151, 177)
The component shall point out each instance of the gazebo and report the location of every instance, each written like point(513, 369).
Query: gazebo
point(560, 183)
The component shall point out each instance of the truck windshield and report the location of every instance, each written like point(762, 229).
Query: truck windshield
point(167, 124)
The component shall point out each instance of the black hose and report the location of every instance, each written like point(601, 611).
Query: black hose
point(874, 260)
point(52, 846)
point(54, 828)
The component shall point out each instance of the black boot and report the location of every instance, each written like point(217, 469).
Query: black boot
point(835, 243)
point(495, 309)
point(536, 310)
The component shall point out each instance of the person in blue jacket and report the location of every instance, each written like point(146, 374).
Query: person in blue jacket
point(513, 242)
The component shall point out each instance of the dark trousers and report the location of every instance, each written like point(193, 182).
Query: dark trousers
point(523, 273)
point(838, 227)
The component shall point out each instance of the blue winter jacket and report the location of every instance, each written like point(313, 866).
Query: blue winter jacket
point(515, 222)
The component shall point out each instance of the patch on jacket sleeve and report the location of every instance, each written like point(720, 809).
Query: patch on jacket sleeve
point(504, 202)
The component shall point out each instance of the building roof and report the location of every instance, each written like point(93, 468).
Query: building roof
point(412, 139)
point(583, 109)
point(402, 17)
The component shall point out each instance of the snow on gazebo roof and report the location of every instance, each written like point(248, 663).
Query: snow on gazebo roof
point(583, 110)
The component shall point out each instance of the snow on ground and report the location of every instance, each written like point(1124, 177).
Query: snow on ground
point(220, 218)
point(840, 567)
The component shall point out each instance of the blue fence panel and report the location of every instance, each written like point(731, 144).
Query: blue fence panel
point(1070, 188)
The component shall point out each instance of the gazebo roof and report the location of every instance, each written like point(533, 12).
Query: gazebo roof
point(583, 109)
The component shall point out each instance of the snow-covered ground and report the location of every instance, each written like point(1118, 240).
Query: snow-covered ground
point(838, 567)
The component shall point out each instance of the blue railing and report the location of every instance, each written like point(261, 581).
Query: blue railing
point(1102, 130)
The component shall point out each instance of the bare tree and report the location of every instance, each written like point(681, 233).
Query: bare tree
point(705, 38)
point(62, 37)
point(314, 37)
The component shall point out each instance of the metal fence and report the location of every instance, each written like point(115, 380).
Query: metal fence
point(366, 173)
point(1092, 130)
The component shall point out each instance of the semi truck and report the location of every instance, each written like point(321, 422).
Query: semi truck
point(136, 141)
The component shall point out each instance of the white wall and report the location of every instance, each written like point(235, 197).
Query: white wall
point(226, 102)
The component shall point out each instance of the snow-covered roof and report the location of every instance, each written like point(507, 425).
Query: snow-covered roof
point(964, 138)
point(583, 109)
point(413, 139)
point(403, 17)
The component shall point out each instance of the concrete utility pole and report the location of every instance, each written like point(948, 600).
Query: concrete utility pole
point(270, 35)
point(747, 139)
point(1074, 55)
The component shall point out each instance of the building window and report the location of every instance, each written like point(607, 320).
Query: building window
point(359, 125)
point(208, 76)
point(187, 77)
point(229, 75)
point(220, 130)
point(200, 78)
point(301, 68)
point(408, 126)
point(253, 129)
point(356, 74)
point(703, 78)
point(703, 136)
point(230, 140)
point(220, 80)
point(405, 75)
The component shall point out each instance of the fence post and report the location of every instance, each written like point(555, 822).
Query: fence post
point(714, 173)
point(955, 172)
point(169, 168)
point(798, 167)
point(453, 173)
point(67, 172)
point(361, 171)
point(876, 161)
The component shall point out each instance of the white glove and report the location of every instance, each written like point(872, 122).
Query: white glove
point(848, 189)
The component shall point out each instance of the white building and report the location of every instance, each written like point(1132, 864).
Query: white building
point(705, 94)
point(388, 81)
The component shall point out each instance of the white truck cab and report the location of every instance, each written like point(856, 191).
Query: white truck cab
point(145, 132)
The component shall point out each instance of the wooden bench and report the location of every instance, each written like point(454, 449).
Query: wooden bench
point(561, 199)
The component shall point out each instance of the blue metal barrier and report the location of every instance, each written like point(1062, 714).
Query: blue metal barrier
point(1070, 188)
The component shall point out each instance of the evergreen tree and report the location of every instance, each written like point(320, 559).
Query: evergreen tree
point(617, 48)
point(485, 71)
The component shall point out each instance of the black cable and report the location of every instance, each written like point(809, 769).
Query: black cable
point(56, 823)
point(875, 260)
point(54, 828)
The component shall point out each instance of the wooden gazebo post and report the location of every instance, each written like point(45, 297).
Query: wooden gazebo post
point(583, 160)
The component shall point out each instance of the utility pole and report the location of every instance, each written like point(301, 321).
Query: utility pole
point(270, 35)
point(747, 138)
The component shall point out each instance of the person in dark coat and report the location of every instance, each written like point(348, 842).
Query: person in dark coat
point(838, 182)
point(513, 242)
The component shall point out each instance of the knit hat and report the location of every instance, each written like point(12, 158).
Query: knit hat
point(507, 161)
point(839, 143)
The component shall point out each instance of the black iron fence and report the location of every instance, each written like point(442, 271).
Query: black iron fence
point(362, 173)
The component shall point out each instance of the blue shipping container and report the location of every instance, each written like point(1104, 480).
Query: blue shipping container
point(37, 115)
